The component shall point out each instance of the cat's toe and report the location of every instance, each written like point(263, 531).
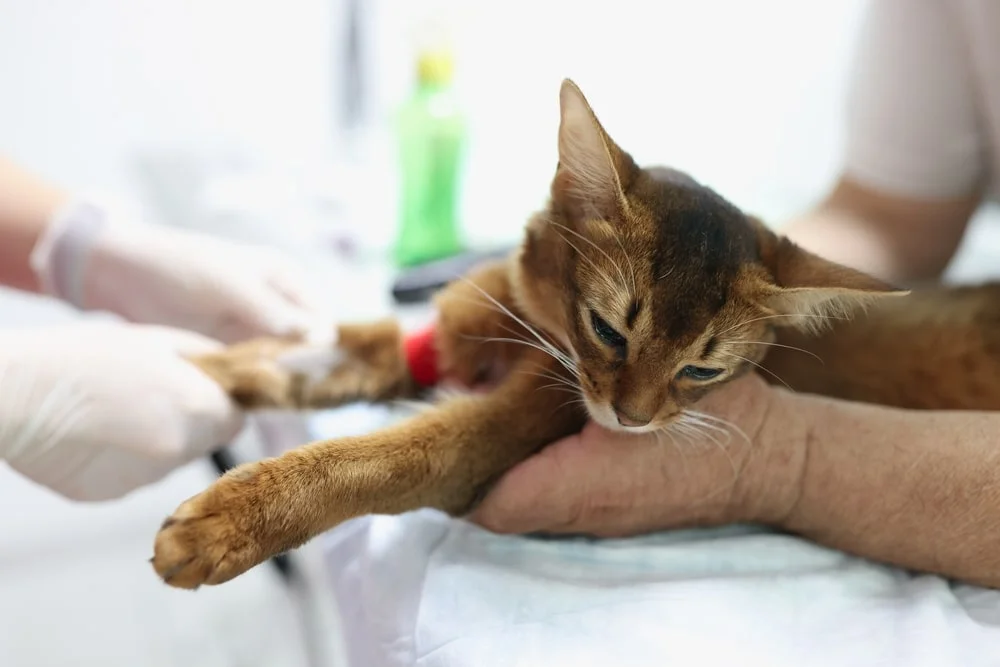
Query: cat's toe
point(203, 542)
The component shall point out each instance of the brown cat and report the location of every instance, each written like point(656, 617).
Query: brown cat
point(634, 293)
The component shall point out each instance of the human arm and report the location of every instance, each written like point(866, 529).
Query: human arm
point(914, 489)
point(79, 252)
point(96, 410)
point(917, 489)
point(27, 205)
point(897, 238)
point(914, 155)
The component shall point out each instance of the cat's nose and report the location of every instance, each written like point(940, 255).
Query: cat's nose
point(625, 419)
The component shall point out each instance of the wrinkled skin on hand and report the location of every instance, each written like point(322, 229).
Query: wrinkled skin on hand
point(616, 484)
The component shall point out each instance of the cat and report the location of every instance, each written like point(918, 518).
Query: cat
point(635, 292)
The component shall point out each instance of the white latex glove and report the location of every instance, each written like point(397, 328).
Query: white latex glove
point(96, 410)
point(157, 275)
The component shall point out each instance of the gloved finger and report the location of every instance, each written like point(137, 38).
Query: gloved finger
point(256, 312)
point(223, 421)
point(294, 285)
point(321, 324)
point(268, 313)
point(539, 494)
point(214, 419)
point(181, 341)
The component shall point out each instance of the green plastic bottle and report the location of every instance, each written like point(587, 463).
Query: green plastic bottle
point(431, 135)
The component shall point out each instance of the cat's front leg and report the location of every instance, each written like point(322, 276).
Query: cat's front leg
point(443, 458)
point(478, 336)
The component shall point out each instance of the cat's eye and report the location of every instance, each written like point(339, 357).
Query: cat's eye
point(606, 332)
point(699, 373)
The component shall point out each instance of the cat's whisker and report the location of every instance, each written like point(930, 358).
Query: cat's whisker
point(543, 372)
point(601, 274)
point(684, 460)
point(553, 349)
point(596, 247)
point(542, 339)
point(700, 420)
point(564, 360)
point(568, 365)
point(572, 401)
point(719, 420)
point(789, 347)
point(478, 302)
point(561, 385)
point(700, 431)
point(707, 434)
point(771, 317)
point(676, 446)
point(631, 267)
point(555, 386)
point(558, 354)
point(754, 363)
point(550, 345)
point(550, 376)
point(490, 306)
point(695, 429)
point(504, 309)
point(706, 428)
point(678, 428)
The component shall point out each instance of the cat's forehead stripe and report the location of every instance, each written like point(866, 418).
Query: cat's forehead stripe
point(633, 312)
point(709, 347)
point(701, 242)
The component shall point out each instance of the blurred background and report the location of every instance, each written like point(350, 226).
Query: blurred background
point(276, 122)
point(187, 100)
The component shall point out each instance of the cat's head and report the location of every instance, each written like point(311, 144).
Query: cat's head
point(658, 287)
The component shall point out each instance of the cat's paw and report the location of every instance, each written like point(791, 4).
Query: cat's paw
point(213, 537)
point(248, 373)
point(365, 362)
point(356, 362)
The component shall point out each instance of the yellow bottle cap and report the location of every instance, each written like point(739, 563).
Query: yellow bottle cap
point(435, 67)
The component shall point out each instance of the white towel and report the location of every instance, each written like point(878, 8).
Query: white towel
point(423, 589)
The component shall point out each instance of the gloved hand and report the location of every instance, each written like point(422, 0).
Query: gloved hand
point(96, 410)
point(157, 275)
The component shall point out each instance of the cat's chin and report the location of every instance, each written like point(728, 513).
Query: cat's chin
point(606, 418)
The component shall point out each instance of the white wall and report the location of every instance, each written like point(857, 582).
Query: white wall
point(745, 95)
point(85, 84)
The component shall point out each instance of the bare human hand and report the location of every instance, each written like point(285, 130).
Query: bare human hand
point(738, 457)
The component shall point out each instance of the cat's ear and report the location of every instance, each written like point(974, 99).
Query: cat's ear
point(810, 290)
point(593, 172)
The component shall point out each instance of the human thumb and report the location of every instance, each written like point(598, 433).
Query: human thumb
point(539, 494)
point(183, 342)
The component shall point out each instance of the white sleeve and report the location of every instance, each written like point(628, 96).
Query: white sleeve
point(912, 125)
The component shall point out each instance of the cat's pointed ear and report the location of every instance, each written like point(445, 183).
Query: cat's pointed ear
point(593, 172)
point(811, 291)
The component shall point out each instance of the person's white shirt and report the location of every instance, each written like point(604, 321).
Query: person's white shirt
point(923, 118)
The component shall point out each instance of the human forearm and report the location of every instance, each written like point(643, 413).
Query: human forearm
point(899, 240)
point(917, 489)
point(27, 205)
point(853, 241)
